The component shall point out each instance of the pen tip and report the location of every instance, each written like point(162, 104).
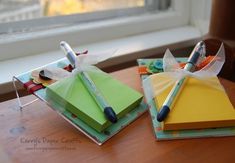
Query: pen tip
point(201, 43)
point(110, 114)
point(162, 114)
point(62, 43)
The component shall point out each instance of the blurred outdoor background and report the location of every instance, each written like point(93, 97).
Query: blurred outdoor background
point(16, 10)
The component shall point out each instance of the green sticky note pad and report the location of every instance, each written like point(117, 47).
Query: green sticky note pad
point(74, 97)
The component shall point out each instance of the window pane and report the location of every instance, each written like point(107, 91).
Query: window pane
point(16, 10)
point(20, 16)
point(61, 7)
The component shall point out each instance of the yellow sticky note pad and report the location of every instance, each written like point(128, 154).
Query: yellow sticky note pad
point(198, 105)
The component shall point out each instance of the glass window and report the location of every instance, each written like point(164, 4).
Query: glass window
point(29, 15)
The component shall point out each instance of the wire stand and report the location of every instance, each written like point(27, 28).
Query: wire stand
point(21, 105)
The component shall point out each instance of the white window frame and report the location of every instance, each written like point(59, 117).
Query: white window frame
point(85, 33)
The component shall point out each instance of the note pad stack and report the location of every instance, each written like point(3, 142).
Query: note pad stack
point(213, 104)
point(198, 106)
point(74, 96)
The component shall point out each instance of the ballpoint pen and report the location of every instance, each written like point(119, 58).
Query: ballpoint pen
point(195, 57)
point(90, 85)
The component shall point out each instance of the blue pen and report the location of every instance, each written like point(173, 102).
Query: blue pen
point(196, 57)
point(90, 85)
